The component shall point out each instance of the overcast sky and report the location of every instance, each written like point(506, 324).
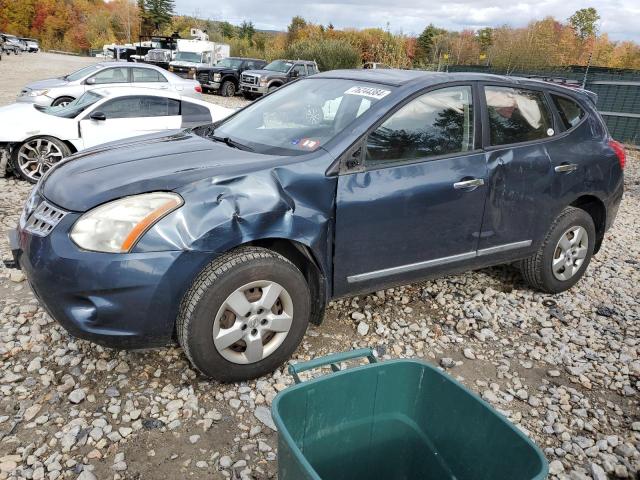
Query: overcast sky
point(619, 18)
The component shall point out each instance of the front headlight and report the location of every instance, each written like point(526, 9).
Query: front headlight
point(263, 81)
point(171, 68)
point(116, 227)
point(37, 93)
point(216, 77)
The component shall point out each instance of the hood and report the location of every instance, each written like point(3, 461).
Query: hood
point(222, 69)
point(184, 63)
point(49, 83)
point(157, 162)
point(22, 120)
point(263, 73)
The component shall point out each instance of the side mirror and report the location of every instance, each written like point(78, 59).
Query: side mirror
point(90, 81)
point(294, 74)
point(98, 116)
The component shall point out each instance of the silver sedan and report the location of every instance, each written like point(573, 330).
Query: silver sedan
point(63, 90)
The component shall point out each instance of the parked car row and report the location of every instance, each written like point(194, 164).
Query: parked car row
point(108, 101)
point(232, 236)
point(10, 44)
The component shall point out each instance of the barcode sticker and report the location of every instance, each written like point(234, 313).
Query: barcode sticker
point(372, 92)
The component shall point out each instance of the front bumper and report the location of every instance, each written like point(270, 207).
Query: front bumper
point(41, 100)
point(117, 300)
point(246, 87)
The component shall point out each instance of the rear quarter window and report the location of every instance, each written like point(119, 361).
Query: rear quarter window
point(570, 112)
point(194, 114)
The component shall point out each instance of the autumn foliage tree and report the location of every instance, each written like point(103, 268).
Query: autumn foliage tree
point(80, 25)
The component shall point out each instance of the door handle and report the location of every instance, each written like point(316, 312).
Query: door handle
point(469, 184)
point(566, 168)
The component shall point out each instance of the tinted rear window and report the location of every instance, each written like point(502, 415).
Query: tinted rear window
point(517, 115)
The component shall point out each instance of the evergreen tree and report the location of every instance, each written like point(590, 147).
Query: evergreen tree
point(157, 13)
point(246, 30)
point(425, 43)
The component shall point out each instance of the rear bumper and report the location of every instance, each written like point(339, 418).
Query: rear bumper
point(614, 204)
point(117, 300)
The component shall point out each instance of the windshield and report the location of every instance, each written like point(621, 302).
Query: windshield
point(188, 57)
point(281, 66)
point(75, 108)
point(83, 72)
point(301, 117)
point(229, 63)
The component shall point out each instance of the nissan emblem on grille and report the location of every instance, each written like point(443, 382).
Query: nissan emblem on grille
point(44, 219)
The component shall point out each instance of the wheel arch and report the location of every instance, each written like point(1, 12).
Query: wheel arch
point(230, 78)
point(303, 257)
point(62, 96)
point(598, 212)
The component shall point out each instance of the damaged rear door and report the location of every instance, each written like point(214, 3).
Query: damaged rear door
point(417, 204)
point(520, 204)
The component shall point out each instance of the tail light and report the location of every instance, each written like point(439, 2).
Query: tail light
point(198, 88)
point(618, 148)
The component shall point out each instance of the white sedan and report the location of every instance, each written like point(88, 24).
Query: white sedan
point(36, 137)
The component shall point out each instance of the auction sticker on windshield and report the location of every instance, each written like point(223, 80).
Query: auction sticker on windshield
point(372, 92)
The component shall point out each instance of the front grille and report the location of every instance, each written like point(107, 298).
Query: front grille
point(249, 79)
point(44, 219)
point(203, 77)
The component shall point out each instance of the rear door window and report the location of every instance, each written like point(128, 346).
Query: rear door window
point(517, 115)
point(569, 111)
point(143, 75)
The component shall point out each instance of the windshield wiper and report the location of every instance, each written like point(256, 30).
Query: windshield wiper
point(231, 143)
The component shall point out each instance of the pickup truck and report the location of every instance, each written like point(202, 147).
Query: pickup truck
point(254, 83)
point(224, 77)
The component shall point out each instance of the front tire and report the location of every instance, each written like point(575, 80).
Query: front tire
point(244, 315)
point(33, 158)
point(564, 254)
point(228, 89)
point(62, 101)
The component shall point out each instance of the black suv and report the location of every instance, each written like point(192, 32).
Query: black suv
point(258, 82)
point(224, 77)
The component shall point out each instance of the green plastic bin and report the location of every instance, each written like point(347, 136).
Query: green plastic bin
point(399, 419)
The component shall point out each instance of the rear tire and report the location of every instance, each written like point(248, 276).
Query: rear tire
point(564, 254)
point(228, 343)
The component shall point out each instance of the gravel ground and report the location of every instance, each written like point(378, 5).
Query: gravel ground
point(565, 368)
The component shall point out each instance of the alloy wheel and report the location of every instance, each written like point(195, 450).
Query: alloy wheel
point(37, 156)
point(570, 253)
point(253, 322)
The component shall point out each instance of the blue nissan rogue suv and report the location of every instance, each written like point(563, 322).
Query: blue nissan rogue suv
point(232, 237)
